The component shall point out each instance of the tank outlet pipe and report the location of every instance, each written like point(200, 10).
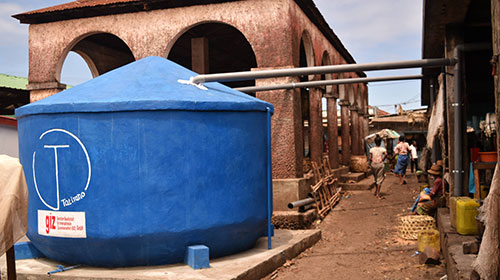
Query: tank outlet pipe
point(328, 82)
point(458, 170)
point(269, 181)
point(312, 194)
point(61, 268)
point(306, 207)
point(301, 202)
point(264, 74)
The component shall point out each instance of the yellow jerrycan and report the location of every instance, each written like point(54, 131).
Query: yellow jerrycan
point(466, 216)
point(428, 238)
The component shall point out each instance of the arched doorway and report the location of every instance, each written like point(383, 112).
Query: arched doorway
point(101, 52)
point(214, 48)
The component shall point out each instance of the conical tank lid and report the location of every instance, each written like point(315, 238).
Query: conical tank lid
point(151, 83)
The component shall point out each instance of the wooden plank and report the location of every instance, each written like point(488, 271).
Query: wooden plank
point(484, 165)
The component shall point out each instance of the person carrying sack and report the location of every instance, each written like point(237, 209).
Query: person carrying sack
point(377, 157)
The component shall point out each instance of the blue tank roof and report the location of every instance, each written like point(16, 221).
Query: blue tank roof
point(151, 83)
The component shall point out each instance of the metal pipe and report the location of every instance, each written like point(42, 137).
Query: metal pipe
point(311, 195)
point(432, 91)
point(444, 150)
point(327, 83)
point(458, 170)
point(61, 268)
point(252, 75)
point(269, 180)
point(301, 202)
point(306, 207)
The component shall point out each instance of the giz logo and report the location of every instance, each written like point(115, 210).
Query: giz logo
point(50, 222)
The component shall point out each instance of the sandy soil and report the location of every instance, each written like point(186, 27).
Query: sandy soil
point(360, 241)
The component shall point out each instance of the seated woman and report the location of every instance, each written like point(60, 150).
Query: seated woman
point(428, 203)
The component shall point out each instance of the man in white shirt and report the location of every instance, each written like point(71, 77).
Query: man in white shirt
point(414, 156)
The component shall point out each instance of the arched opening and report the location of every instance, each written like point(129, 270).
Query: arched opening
point(306, 59)
point(75, 70)
point(325, 90)
point(101, 52)
point(214, 48)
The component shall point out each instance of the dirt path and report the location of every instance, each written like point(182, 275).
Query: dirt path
point(360, 240)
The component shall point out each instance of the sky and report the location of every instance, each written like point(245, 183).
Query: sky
point(371, 30)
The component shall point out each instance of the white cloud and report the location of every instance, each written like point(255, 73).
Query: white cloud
point(11, 31)
point(364, 24)
point(376, 31)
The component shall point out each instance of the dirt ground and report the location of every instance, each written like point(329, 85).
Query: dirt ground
point(360, 241)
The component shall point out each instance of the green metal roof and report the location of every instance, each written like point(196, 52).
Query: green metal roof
point(15, 82)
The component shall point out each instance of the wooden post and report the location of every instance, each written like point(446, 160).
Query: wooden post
point(315, 125)
point(333, 131)
point(361, 132)
point(11, 264)
point(354, 130)
point(344, 118)
point(199, 55)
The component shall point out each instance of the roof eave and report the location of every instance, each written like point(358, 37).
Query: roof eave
point(44, 16)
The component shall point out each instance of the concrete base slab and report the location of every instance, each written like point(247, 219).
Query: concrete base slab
point(294, 219)
point(252, 264)
point(365, 184)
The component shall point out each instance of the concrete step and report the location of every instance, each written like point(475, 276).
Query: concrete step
point(352, 177)
point(365, 184)
point(458, 264)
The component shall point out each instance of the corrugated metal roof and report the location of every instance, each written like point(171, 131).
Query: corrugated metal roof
point(14, 82)
point(92, 8)
point(75, 5)
point(8, 120)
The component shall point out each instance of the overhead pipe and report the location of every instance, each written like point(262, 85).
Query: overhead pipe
point(342, 68)
point(458, 170)
point(327, 83)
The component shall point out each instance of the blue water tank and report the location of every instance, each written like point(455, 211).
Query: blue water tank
point(133, 166)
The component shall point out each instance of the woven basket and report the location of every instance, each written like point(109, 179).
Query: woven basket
point(410, 226)
point(358, 164)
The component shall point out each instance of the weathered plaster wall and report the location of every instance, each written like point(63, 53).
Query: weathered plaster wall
point(150, 33)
